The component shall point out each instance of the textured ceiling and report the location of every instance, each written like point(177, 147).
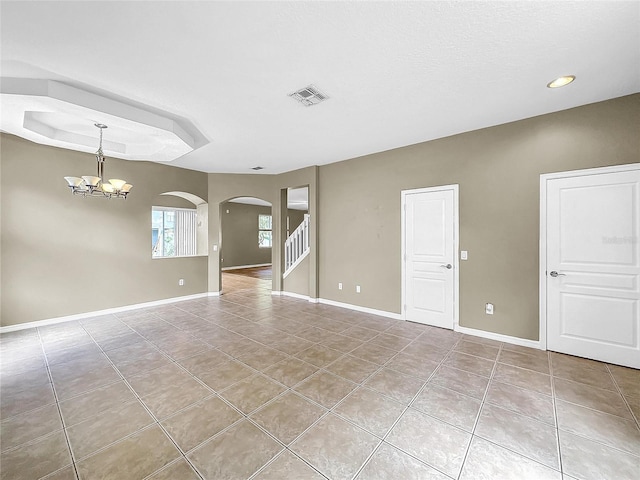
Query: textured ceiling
point(397, 73)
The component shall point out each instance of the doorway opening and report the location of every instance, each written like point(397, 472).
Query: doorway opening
point(247, 242)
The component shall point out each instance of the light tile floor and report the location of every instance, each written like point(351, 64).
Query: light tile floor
point(254, 386)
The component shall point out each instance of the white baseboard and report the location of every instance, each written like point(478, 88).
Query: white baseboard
point(240, 267)
point(357, 308)
point(294, 295)
point(523, 342)
point(107, 311)
point(213, 294)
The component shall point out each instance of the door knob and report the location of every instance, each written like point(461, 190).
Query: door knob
point(448, 266)
point(555, 274)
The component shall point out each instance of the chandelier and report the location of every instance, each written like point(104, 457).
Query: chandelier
point(89, 186)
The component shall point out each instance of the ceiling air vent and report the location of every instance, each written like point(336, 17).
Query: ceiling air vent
point(257, 168)
point(309, 96)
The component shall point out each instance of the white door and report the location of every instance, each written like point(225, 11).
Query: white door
point(430, 246)
point(593, 266)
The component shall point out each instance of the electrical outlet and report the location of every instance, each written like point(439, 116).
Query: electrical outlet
point(339, 285)
point(181, 282)
point(488, 308)
point(357, 288)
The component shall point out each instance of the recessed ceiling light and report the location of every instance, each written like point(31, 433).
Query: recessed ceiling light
point(561, 81)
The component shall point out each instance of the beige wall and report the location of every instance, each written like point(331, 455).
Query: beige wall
point(498, 170)
point(240, 235)
point(64, 255)
point(295, 218)
point(224, 187)
point(298, 280)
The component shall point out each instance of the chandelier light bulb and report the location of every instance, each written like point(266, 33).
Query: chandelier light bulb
point(92, 186)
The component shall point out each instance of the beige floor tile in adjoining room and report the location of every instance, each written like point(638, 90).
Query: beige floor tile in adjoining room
point(479, 350)
point(487, 461)
point(597, 398)
point(520, 400)
point(521, 434)
point(287, 465)
point(16, 402)
point(336, 448)
point(391, 342)
point(590, 460)
point(194, 425)
point(204, 361)
point(288, 416)
point(325, 389)
point(251, 393)
point(28, 426)
point(521, 377)
point(236, 453)
point(370, 410)
point(170, 399)
point(134, 457)
point(37, 459)
point(628, 379)
point(412, 365)
point(592, 377)
point(373, 353)
point(178, 470)
point(602, 427)
point(401, 388)
point(436, 443)
point(449, 406)
point(89, 404)
point(290, 371)
point(225, 375)
point(262, 359)
point(66, 473)
point(389, 463)
point(107, 427)
point(229, 380)
point(156, 380)
point(469, 363)
point(522, 360)
point(319, 355)
point(460, 381)
point(353, 368)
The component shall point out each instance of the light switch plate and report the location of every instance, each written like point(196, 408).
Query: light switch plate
point(488, 308)
point(463, 255)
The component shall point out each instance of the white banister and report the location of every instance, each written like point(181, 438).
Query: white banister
point(296, 247)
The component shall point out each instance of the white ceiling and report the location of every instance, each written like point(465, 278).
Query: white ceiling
point(397, 73)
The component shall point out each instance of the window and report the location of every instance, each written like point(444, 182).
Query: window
point(173, 232)
point(264, 231)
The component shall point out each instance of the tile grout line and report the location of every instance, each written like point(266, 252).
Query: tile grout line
point(624, 398)
point(555, 412)
point(478, 415)
point(405, 409)
point(157, 422)
point(55, 395)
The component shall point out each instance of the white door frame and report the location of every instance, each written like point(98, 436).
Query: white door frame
point(544, 178)
point(456, 242)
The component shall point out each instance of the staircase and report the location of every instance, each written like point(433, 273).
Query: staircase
point(296, 247)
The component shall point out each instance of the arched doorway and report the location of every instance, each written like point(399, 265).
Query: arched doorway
point(246, 247)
